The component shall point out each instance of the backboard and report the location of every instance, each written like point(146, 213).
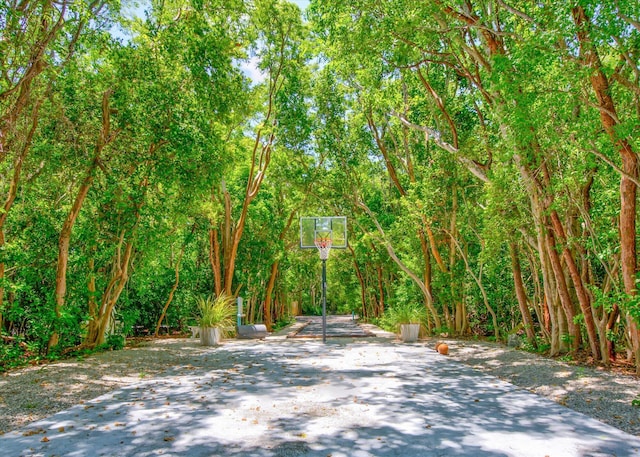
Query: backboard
point(312, 228)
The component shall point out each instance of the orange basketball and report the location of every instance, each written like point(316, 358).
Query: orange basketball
point(443, 348)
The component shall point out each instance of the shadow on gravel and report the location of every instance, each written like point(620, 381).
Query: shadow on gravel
point(341, 399)
point(606, 396)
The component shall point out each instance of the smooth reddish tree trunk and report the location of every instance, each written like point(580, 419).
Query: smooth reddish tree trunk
point(628, 190)
point(581, 292)
point(521, 295)
point(360, 281)
point(98, 326)
point(106, 136)
point(171, 292)
point(563, 290)
point(214, 260)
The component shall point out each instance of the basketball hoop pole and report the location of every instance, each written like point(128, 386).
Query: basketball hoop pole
point(323, 243)
point(324, 300)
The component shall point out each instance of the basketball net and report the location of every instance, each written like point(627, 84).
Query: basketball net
point(324, 246)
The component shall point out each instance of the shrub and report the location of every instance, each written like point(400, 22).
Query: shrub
point(115, 342)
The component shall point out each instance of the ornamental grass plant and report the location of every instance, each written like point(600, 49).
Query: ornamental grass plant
point(217, 312)
point(397, 315)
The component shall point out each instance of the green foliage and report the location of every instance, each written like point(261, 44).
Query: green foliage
point(631, 304)
point(282, 323)
point(567, 338)
point(541, 347)
point(114, 342)
point(15, 352)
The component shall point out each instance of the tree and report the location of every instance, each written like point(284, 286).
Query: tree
point(278, 33)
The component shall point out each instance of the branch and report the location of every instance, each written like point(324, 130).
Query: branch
point(517, 12)
point(385, 153)
point(392, 253)
point(440, 104)
point(614, 166)
point(627, 19)
point(476, 169)
point(434, 134)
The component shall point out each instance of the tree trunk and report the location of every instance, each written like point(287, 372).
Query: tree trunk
point(360, 280)
point(260, 160)
point(214, 260)
point(374, 305)
point(106, 136)
point(453, 229)
point(274, 273)
point(538, 302)
point(611, 322)
point(119, 278)
point(628, 190)
point(426, 255)
point(434, 248)
point(267, 298)
point(563, 290)
point(171, 292)
point(92, 306)
point(381, 306)
point(550, 301)
point(521, 294)
point(581, 292)
point(119, 273)
point(228, 233)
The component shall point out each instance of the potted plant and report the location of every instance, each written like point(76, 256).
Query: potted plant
point(406, 320)
point(216, 318)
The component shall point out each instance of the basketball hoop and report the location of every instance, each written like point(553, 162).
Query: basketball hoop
point(324, 246)
point(323, 233)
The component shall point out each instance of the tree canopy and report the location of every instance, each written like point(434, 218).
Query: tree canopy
point(484, 153)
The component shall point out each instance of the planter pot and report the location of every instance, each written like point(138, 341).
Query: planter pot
point(409, 332)
point(210, 336)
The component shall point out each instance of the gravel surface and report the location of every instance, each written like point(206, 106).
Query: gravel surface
point(32, 393)
point(594, 392)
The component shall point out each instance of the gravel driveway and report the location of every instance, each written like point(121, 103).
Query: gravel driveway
point(350, 397)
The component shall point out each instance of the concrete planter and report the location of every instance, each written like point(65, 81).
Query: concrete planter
point(210, 336)
point(409, 332)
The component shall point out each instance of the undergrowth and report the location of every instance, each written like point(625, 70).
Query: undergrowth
point(15, 352)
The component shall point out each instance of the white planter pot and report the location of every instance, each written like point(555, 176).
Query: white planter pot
point(210, 336)
point(409, 332)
